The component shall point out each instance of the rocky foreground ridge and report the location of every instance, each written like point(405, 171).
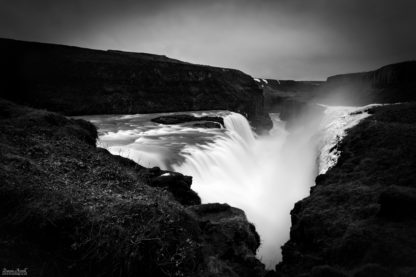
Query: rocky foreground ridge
point(69, 208)
point(79, 81)
point(359, 219)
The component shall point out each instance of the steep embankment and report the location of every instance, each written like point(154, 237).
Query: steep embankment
point(390, 84)
point(68, 208)
point(277, 92)
point(360, 217)
point(78, 81)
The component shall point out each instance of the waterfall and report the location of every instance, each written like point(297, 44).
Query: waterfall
point(227, 165)
point(255, 176)
point(220, 168)
point(239, 124)
point(332, 129)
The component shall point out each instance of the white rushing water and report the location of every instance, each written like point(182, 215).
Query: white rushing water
point(332, 130)
point(263, 176)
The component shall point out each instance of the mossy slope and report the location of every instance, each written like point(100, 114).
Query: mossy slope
point(70, 209)
point(79, 81)
point(359, 219)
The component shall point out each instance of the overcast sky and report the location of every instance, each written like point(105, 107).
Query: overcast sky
point(276, 39)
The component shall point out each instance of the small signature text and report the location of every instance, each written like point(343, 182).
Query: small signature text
point(17, 271)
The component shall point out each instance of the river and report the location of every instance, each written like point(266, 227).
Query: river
point(264, 176)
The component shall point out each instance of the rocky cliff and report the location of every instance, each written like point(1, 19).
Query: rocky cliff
point(359, 218)
point(389, 84)
point(387, 75)
point(69, 208)
point(78, 81)
point(276, 92)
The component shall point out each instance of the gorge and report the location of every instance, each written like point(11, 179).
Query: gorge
point(332, 185)
point(227, 165)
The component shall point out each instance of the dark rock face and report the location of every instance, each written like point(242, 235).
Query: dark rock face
point(71, 209)
point(229, 239)
point(207, 125)
point(78, 81)
point(276, 92)
point(291, 85)
point(374, 271)
point(183, 118)
point(398, 203)
point(176, 183)
point(390, 84)
point(359, 219)
point(262, 124)
point(389, 74)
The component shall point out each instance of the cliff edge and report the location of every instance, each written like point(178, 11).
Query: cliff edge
point(79, 81)
point(389, 84)
point(359, 219)
point(69, 208)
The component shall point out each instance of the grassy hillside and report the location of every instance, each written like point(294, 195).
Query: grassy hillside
point(79, 81)
point(360, 217)
point(68, 208)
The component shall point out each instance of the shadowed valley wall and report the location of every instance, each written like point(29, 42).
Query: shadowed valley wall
point(78, 81)
point(390, 84)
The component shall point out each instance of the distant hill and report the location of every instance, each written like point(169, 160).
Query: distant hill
point(79, 81)
point(389, 84)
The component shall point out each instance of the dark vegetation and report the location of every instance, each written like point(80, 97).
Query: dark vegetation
point(360, 217)
point(68, 208)
point(79, 81)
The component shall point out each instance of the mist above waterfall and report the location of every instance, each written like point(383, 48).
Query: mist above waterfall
point(264, 176)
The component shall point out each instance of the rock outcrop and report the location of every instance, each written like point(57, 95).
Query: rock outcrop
point(228, 237)
point(69, 208)
point(359, 218)
point(390, 84)
point(387, 75)
point(78, 81)
point(276, 92)
point(183, 118)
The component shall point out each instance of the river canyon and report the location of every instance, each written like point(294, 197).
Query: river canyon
point(262, 175)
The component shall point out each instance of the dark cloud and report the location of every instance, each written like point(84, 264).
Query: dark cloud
point(296, 39)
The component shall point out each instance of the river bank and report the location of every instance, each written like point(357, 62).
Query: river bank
point(71, 209)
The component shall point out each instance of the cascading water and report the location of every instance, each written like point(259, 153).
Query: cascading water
point(254, 176)
point(224, 170)
point(263, 176)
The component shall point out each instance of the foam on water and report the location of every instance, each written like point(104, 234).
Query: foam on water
point(337, 119)
point(253, 175)
point(265, 177)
